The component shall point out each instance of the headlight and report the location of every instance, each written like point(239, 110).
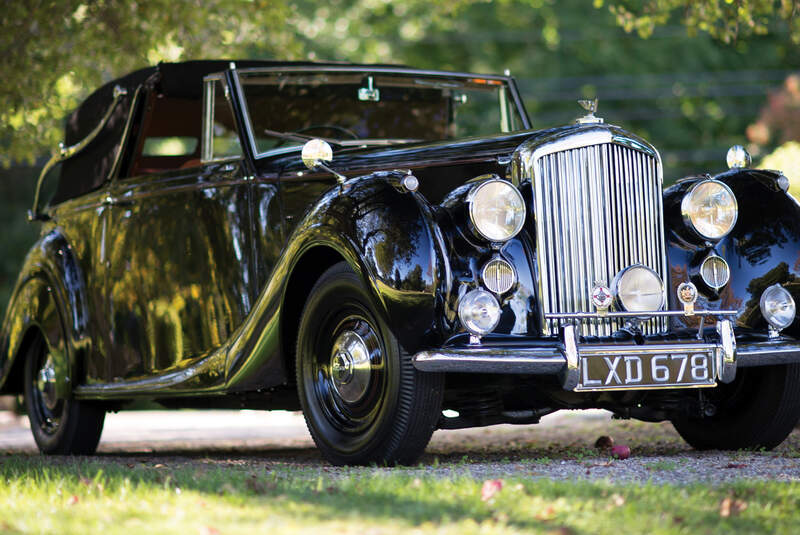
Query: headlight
point(479, 312)
point(496, 209)
point(777, 306)
point(639, 289)
point(710, 208)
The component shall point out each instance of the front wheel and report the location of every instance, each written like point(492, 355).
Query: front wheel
point(60, 424)
point(363, 400)
point(758, 410)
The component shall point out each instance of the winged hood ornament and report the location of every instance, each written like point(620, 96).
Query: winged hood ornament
point(590, 105)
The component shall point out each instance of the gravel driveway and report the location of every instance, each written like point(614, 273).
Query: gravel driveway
point(561, 447)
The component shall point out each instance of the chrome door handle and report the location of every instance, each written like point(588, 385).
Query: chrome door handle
point(111, 201)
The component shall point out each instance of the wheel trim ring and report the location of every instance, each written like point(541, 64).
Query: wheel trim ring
point(348, 425)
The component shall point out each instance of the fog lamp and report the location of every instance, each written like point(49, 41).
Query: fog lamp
point(638, 289)
point(777, 306)
point(479, 312)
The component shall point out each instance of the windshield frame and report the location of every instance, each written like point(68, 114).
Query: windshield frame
point(507, 81)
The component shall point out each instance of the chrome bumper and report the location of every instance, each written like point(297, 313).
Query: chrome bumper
point(562, 359)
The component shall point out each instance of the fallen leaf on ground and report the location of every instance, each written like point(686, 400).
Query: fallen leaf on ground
point(547, 513)
point(730, 506)
point(490, 488)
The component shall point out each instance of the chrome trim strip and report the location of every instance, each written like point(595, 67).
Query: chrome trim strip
point(767, 353)
point(206, 149)
point(534, 361)
point(643, 315)
point(648, 349)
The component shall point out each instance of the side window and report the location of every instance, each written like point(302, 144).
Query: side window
point(220, 138)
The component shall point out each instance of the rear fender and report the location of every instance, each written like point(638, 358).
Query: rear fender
point(49, 290)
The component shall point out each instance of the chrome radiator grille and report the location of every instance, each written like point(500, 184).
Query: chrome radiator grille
point(598, 209)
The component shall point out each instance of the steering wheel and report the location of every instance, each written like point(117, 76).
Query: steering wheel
point(332, 127)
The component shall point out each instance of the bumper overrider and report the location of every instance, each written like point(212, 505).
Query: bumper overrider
point(684, 363)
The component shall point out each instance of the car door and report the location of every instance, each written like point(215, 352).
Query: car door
point(180, 255)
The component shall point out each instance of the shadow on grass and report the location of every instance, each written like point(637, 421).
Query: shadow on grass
point(361, 495)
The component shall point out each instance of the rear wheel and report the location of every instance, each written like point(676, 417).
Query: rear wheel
point(363, 400)
point(758, 410)
point(59, 423)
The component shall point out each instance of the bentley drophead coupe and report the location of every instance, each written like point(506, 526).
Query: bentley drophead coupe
point(394, 251)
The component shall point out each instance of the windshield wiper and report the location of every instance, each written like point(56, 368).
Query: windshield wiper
point(293, 136)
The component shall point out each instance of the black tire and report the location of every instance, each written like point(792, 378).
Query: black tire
point(60, 425)
point(757, 410)
point(363, 400)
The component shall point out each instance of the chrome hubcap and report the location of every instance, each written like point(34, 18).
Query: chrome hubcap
point(46, 384)
point(351, 369)
point(47, 405)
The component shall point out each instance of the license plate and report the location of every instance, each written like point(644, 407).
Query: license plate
point(660, 370)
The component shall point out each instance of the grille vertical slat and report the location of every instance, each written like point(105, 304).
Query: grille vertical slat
point(598, 211)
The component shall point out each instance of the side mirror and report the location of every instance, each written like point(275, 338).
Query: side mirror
point(316, 152)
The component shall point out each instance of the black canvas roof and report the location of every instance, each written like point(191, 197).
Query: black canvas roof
point(88, 169)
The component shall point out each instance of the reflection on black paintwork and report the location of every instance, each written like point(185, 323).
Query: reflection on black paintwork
point(179, 293)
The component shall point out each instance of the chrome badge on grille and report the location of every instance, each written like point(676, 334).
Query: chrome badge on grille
point(601, 297)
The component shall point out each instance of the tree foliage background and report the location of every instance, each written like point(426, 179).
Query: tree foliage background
point(690, 76)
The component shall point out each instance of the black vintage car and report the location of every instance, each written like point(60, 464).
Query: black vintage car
point(450, 267)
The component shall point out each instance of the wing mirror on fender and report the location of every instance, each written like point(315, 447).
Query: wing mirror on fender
point(315, 153)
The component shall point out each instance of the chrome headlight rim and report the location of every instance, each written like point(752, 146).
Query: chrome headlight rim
point(618, 279)
point(689, 198)
point(472, 206)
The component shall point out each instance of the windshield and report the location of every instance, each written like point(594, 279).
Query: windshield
point(357, 108)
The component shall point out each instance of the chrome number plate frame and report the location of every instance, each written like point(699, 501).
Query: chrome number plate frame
point(651, 368)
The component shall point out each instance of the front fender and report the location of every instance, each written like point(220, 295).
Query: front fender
point(389, 237)
point(49, 298)
point(762, 249)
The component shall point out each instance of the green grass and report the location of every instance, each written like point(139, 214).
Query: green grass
point(75, 496)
